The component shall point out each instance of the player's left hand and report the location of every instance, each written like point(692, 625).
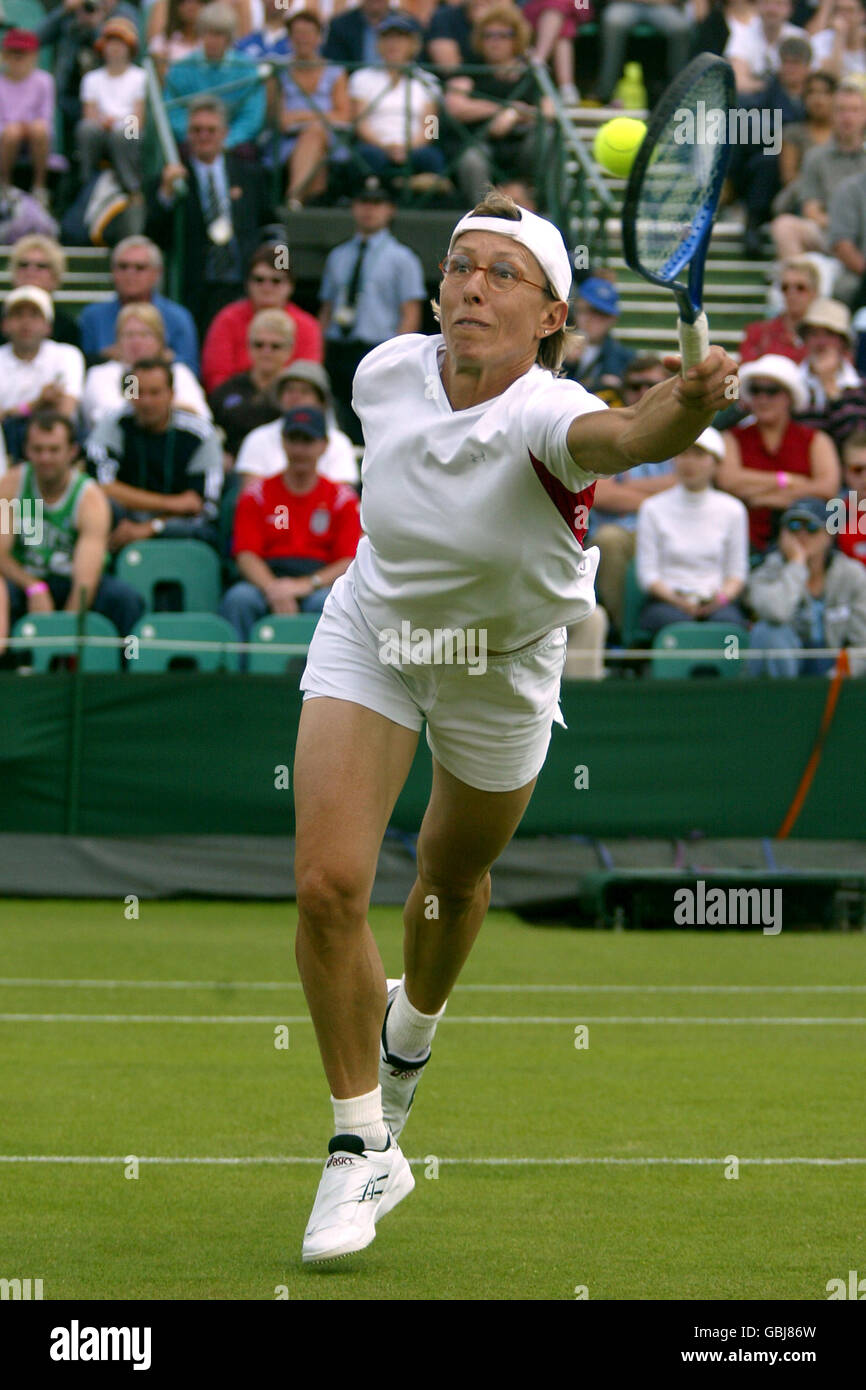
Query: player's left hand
point(712, 385)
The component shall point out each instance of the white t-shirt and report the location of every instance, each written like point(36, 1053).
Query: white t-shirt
point(692, 541)
point(103, 392)
point(262, 455)
point(822, 46)
point(114, 96)
point(21, 382)
point(387, 119)
point(749, 43)
point(473, 518)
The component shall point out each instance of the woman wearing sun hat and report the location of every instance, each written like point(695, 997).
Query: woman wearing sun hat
point(770, 459)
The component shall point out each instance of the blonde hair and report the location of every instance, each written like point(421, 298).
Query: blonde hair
point(149, 315)
point(506, 15)
point(551, 349)
point(49, 248)
point(273, 321)
point(801, 265)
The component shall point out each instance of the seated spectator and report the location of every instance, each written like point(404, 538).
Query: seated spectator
point(64, 566)
point(798, 281)
point(798, 137)
point(35, 371)
point(555, 24)
point(826, 370)
point(113, 106)
point(598, 361)
point(270, 40)
point(717, 21)
point(26, 111)
point(806, 594)
point(40, 260)
point(269, 286)
point(261, 453)
point(613, 518)
point(136, 270)
point(392, 112)
point(172, 32)
point(449, 36)
point(108, 386)
point(618, 18)
point(839, 49)
point(227, 202)
point(161, 468)
point(851, 537)
point(771, 460)
point(692, 544)
point(222, 73)
point(753, 51)
point(847, 239)
point(824, 168)
point(245, 401)
point(314, 96)
point(352, 36)
point(294, 534)
point(499, 107)
point(72, 30)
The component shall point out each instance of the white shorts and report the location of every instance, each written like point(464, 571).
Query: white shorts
point(490, 729)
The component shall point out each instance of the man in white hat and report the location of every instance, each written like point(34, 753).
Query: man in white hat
point(771, 460)
point(35, 371)
point(693, 544)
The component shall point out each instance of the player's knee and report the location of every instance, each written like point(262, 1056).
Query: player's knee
point(331, 897)
point(455, 888)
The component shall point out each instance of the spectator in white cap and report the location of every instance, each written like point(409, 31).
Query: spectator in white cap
point(693, 544)
point(827, 371)
point(479, 470)
point(771, 459)
point(35, 371)
point(596, 359)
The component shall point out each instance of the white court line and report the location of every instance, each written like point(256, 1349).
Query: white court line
point(460, 989)
point(509, 1161)
point(449, 1018)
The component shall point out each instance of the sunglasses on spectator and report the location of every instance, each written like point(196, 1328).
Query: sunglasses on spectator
point(857, 468)
point(260, 343)
point(765, 388)
point(132, 265)
point(798, 524)
point(33, 265)
point(498, 34)
point(267, 279)
point(804, 289)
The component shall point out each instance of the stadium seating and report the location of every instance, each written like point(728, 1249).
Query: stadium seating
point(191, 565)
point(633, 635)
point(181, 628)
point(62, 627)
point(280, 629)
point(689, 638)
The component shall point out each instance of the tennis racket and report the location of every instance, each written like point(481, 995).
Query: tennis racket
point(673, 192)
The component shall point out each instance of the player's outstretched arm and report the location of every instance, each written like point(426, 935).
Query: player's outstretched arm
point(662, 424)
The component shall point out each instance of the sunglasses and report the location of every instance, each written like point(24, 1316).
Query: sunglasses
point(856, 468)
point(267, 279)
point(804, 289)
point(33, 265)
point(498, 34)
point(132, 265)
point(801, 524)
point(260, 343)
point(765, 388)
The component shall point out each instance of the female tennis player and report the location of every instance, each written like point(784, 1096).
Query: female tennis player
point(478, 473)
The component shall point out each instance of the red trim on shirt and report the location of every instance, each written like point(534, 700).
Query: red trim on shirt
point(564, 500)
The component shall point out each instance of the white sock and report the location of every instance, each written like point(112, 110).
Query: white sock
point(362, 1115)
point(408, 1032)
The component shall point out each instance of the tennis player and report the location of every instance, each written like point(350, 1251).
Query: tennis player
point(478, 475)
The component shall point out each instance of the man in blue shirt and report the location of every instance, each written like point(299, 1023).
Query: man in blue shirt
point(272, 40)
point(372, 289)
point(216, 68)
point(352, 36)
point(136, 269)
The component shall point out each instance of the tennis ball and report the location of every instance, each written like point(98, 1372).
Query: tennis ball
point(616, 144)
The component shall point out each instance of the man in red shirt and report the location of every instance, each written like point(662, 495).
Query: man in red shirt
point(851, 538)
point(270, 285)
point(294, 533)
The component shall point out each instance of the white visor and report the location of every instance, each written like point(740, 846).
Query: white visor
point(538, 235)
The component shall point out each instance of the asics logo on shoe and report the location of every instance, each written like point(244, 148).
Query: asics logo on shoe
point(404, 1075)
point(340, 1161)
point(374, 1188)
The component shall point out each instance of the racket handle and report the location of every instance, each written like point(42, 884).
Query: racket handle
point(694, 341)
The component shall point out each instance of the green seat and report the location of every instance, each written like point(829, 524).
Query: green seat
point(21, 14)
point(183, 628)
point(60, 626)
point(694, 637)
point(633, 635)
point(280, 629)
point(194, 566)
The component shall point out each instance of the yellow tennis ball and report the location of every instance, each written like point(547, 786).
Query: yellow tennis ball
point(616, 144)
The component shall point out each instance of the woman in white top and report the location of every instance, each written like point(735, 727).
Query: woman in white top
point(139, 333)
point(477, 480)
point(840, 48)
point(392, 111)
point(113, 105)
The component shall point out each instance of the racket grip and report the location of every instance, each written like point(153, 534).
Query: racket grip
point(694, 341)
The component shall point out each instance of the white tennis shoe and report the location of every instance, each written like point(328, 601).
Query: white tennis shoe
point(397, 1077)
point(358, 1186)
